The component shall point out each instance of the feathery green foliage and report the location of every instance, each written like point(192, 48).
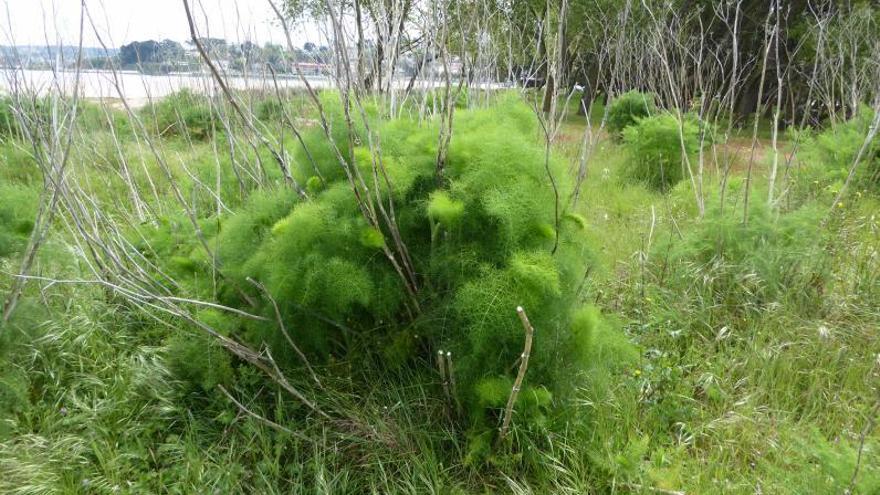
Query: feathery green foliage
point(482, 246)
point(318, 156)
point(627, 109)
point(657, 145)
point(829, 155)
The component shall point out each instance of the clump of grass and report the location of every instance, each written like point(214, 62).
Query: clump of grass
point(8, 123)
point(17, 212)
point(182, 114)
point(750, 266)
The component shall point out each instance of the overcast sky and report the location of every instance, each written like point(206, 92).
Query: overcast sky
point(122, 21)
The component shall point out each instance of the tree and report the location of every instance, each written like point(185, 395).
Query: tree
point(171, 51)
point(216, 47)
point(275, 57)
point(139, 52)
point(245, 55)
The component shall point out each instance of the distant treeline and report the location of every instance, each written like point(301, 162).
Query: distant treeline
point(167, 56)
point(42, 56)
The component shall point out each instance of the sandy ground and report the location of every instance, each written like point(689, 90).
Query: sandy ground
point(117, 104)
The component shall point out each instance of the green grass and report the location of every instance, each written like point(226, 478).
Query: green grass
point(751, 373)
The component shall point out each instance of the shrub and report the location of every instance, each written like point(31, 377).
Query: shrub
point(183, 113)
point(654, 145)
point(317, 156)
point(89, 116)
point(627, 109)
point(481, 245)
point(829, 154)
point(13, 396)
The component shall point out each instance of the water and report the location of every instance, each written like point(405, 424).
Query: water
point(135, 87)
point(138, 89)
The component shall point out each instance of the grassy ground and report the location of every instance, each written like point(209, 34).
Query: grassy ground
point(769, 399)
point(753, 377)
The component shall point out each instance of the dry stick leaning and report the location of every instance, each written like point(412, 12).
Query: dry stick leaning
point(451, 376)
point(58, 164)
point(248, 121)
point(283, 328)
point(520, 376)
point(441, 363)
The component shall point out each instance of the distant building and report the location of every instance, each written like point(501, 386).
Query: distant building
point(436, 67)
point(313, 68)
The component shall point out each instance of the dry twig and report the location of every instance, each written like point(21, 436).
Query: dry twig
point(521, 375)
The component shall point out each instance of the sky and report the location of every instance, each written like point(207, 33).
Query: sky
point(26, 22)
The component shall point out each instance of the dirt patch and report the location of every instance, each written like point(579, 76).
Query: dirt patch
point(118, 104)
point(738, 152)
